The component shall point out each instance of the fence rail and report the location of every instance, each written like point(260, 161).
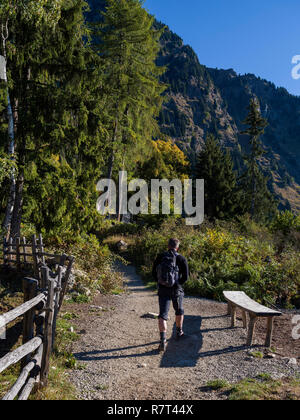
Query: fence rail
point(43, 297)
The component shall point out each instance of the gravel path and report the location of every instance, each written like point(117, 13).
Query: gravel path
point(118, 348)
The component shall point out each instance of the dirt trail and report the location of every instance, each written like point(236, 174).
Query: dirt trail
point(118, 348)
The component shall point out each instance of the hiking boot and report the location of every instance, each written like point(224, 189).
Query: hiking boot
point(179, 334)
point(162, 346)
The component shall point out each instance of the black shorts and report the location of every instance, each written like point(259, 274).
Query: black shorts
point(165, 302)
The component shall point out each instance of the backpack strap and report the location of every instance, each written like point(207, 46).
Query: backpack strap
point(175, 255)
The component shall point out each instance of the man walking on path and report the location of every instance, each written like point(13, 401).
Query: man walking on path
point(173, 267)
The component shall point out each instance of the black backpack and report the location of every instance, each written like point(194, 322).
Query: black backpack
point(168, 271)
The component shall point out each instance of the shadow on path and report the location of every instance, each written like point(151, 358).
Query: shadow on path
point(185, 351)
point(108, 354)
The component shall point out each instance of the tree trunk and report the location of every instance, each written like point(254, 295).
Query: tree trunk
point(111, 159)
point(112, 156)
point(18, 205)
point(11, 137)
point(253, 195)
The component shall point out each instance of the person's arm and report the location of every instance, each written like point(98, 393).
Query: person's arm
point(183, 269)
point(156, 263)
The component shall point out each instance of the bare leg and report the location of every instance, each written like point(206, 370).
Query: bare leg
point(162, 325)
point(179, 321)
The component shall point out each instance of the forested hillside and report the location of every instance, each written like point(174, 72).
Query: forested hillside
point(201, 100)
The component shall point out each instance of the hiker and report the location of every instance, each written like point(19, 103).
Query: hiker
point(170, 271)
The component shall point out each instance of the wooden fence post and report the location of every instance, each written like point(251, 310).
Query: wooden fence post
point(56, 301)
point(5, 249)
point(47, 333)
point(65, 281)
point(41, 249)
point(44, 277)
point(24, 249)
point(10, 249)
point(35, 258)
point(18, 259)
point(30, 287)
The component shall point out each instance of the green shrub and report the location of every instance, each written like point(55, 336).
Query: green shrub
point(225, 257)
point(285, 222)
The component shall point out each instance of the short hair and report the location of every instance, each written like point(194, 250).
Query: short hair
point(174, 243)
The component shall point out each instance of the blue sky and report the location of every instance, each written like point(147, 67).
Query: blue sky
point(250, 36)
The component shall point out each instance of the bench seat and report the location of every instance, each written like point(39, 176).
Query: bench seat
point(255, 310)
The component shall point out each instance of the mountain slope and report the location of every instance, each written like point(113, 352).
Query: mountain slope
point(201, 100)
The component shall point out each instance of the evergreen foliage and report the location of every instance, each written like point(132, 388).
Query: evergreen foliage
point(128, 46)
point(257, 199)
point(220, 180)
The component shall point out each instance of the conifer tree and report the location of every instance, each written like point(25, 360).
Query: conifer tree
point(12, 11)
point(59, 132)
point(257, 198)
point(128, 46)
point(220, 180)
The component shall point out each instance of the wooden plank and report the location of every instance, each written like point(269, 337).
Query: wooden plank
point(35, 362)
point(18, 354)
point(13, 392)
point(27, 390)
point(241, 300)
point(21, 310)
point(45, 254)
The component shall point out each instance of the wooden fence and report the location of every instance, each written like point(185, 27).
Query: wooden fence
point(43, 297)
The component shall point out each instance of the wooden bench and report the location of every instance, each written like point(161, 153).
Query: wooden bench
point(255, 310)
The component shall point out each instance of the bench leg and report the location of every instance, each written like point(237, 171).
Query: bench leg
point(269, 332)
point(229, 308)
point(244, 314)
point(251, 329)
point(233, 316)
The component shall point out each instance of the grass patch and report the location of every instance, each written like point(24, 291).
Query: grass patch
point(266, 388)
point(69, 316)
point(256, 354)
point(217, 384)
point(8, 378)
point(81, 299)
point(117, 291)
point(59, 386)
